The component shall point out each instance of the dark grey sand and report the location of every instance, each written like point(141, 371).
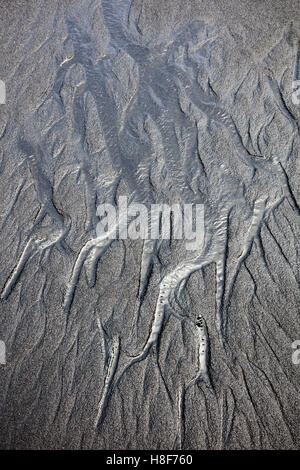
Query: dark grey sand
point(164, 101)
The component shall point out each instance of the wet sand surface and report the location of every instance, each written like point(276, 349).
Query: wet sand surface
point(145, 344)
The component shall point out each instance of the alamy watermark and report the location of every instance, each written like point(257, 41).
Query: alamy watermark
point(2, 353)
point(296, 92)
point(2, 92)
point(296, 353)
point(161, 221)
